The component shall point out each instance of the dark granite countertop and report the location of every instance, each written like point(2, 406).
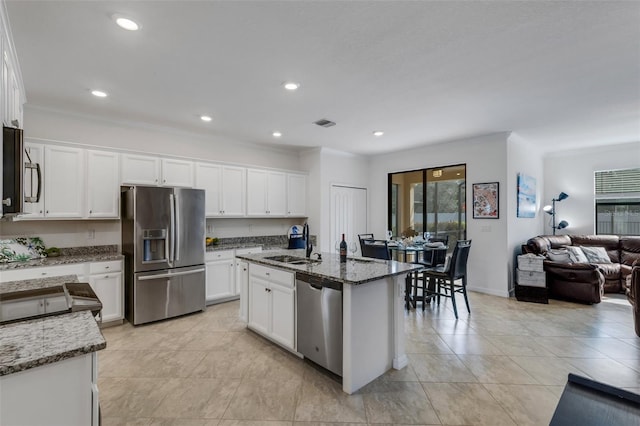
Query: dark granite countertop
point(32, 343)
point(358, 270)
point(74, 257)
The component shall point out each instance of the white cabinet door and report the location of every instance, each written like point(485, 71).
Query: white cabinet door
point(220, 275)
point(108, 288)
point(259, 315)
point(177, 173)
point(257, 192)
point(277, 194)
point(64, 177)
point(266, 193)
point(103, 191)
point(296, 195)
point(35, 156)
point(282, 315)
point(242, 287)
point(209, 178)
point(233, 191)
point(140, 169)
point(21, 309)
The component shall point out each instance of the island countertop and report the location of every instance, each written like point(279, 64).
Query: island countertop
point(31, 343)
point(357, 270)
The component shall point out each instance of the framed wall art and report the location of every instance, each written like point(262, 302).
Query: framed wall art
point(485, 200)
point(526, 196)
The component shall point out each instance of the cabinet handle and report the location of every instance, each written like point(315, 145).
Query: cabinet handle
point(244, 269)
point(43, 273)
point(90, 211)
point(106, 276)
point(267, 273)
point(106, 267)
point(40, 211)
point(47, 211)
point(164, 181)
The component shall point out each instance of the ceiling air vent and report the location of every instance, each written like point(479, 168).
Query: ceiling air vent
point(325, 123)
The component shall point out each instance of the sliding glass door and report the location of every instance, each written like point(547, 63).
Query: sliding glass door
point(428, 200)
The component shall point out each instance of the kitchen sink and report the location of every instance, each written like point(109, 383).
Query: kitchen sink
point(292, 260)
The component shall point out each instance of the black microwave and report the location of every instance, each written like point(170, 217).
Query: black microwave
point(13, 168)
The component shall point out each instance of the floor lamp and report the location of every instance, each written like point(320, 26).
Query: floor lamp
point(552, 211)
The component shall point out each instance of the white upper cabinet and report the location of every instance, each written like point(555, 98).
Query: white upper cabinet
point(149, 170)
point(12, 91)
point(140, 169)
point(64, 176)
point(177, 173)
point(266, 193)
point(225, 189)
point(296, 195)
point(103, 191)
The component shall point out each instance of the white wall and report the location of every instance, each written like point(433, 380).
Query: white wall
point(486, 159)
point(572, 172)
point(65, 233)
point(337, 168)
point(57, 126)
point(522, 157)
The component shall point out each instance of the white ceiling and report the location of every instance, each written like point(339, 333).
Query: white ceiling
point(560, 74)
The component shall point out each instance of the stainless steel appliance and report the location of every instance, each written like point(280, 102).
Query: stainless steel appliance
point(163, 231)
point(319, 304)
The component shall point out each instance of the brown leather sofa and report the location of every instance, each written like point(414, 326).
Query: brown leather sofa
point(585, 282)
point(633, 292)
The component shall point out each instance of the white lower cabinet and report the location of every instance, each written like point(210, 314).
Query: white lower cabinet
point(106, 281)
point(272, 304)
point(61, 393)
point(220, 266)
point(242, 280)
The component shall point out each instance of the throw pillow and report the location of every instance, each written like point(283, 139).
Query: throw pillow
point(596, 254)
point(560, 256)
point(577, 255)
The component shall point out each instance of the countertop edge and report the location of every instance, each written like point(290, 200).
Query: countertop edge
point(255, 258)
point(27, 365)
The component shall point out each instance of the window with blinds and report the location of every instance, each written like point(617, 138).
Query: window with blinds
point(618, 182)
point(618, 202)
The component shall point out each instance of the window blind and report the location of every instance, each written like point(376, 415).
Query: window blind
point(618, 181)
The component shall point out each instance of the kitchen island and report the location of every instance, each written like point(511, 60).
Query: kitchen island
point(48, 366)
point(372, 307)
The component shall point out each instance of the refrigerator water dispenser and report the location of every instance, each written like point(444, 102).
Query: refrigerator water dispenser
point(154, 245)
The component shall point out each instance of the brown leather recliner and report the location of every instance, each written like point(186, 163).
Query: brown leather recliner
point(633, 292)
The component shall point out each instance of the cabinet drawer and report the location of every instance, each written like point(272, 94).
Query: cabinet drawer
point(249, 250)
point(274, 276)
point(42, 272)
point(102, 267)
point(211, 256)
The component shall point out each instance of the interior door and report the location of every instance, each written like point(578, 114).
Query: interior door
point(348, 214)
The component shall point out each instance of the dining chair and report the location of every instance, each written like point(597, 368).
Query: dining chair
point(442, 279)
point(364, 237)
point(378, 249)
point(436, 257)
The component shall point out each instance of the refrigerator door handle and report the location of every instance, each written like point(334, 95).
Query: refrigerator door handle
point(176, 223)
point(172, 229)
point(170, 274)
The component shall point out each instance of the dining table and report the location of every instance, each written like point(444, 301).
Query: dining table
point(435, 250)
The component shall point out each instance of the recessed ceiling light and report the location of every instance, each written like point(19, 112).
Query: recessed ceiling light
point(290, 85)
point(276, 134)
point(126, 23)
point(205, 118)
point(99, 93)
point(378, 133)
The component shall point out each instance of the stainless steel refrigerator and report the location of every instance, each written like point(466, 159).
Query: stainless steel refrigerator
point(163, 232)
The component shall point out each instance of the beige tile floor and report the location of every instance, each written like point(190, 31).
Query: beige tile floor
point(506, 364)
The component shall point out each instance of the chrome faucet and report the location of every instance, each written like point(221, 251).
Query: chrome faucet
point(307, 240)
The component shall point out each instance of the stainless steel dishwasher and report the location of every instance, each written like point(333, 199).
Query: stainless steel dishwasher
point(319, 303)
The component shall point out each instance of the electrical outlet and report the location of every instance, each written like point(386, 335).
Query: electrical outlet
point(91, 234)
point(209, 229)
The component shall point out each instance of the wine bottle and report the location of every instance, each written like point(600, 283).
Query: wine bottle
point(343, 250)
